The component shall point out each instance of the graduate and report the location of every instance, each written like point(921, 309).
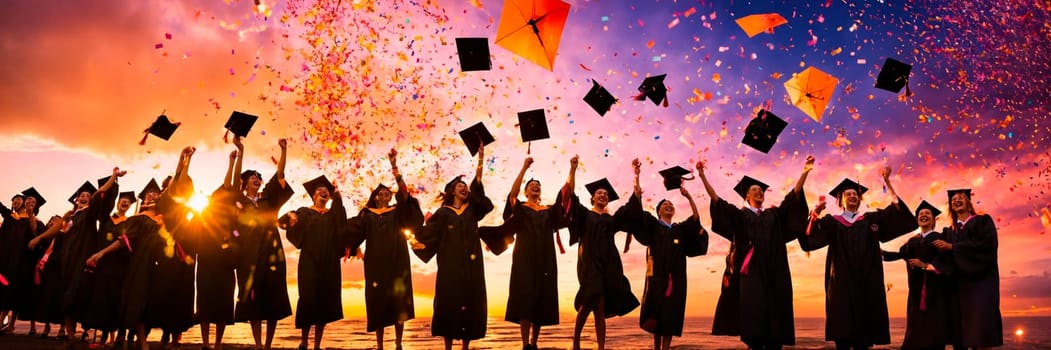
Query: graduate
point(927, 314)
point(11, 246)
point(216, 259)
point(261, 272)
point(387, 230)
point(757, 288)
point(47, 277)
point(855, 294)
point(972, 241)
point(668, 245)
point(108, 273)
point(532, 300)
point(170, 306)
point(19, 227)
point(451, 233)
point(604, 290)
point(315, 230)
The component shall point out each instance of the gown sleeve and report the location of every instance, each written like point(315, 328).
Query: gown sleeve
point(726, 219)
point(794, 216)
point(893, 221)
point(480, 204)
point(430, 236)
point(977, 252)
point(408, 215)
point(276, 193)
point(5, 212)
point(102, 203)
point(639, 222)
point(498, 238)
point(294, 233)
point(901, 254)
point(820, 234)
point(576, 219)
point(694, 237)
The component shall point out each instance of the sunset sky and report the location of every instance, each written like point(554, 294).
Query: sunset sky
point(347, 81)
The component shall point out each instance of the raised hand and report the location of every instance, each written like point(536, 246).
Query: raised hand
point(237, 142)
point(283, 143)
point(684, 192)
point(393, 157)
point(637, 165)
point(573, 162)
point(528, 162)
point(885, 173)
point(820, 207)
point(701, 165)
point(118, 173)
point(809, 163)
point(233, 155)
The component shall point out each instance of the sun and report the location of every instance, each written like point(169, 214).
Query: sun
point(198, 202)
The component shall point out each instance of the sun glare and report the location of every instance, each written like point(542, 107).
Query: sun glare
point(198, 202)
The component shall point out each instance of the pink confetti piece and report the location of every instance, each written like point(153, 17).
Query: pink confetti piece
point(168, 36)
point(158, 46)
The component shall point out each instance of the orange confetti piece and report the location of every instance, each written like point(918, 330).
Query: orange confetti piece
point(1045, 217)
point(650, 44)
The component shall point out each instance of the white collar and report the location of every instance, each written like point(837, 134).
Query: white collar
point(924, 234)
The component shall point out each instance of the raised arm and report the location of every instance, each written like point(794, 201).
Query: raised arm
point(693, 206)
point(184, 162)
point(112, 180)
point(54, 227)
point(512, 196)
point(227, 181)
point(403, 191)
point(701, 165)
point(283, 143)
point(237, 165)
point(637, 166)
point(802, 177)
point(481, 162)
point(885, 174)
point(571, 182)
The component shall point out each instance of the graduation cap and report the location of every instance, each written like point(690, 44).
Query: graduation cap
point(893, 76)
point(533, 125)
point(239, 124)
point(130, 195)
point(847, 184)
point(599, 98)
point(966, 192)
point(602, 184)
point(32, 192)
point(320, 181)
point(674, 176)
point(151, 186)
point(924, 205)
point(746, 183)
point(653, 88)
point(762, 132)
point(162, 127)
point(475, 137)
point(474, 54)
point(86, 187)
point(102, 181)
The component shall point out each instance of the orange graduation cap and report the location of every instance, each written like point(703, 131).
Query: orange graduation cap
point(810, 91)
point(758, 23)
point(532, 29)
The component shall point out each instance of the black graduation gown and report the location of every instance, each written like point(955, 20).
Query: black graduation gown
point(459, 294)
point(217, 258)
point(317, 235)
point(855, 294)
point(976, 282)
point(171, 293)
point(107, 277)
point(48, 281)
point(664, 298)
point(144, 233)
point(758, 299)
point(533, 288)
point(82, 240)
point(15, 234)
point(261, 272)
point(599, 269)
point(388, 275)
point(927, 314)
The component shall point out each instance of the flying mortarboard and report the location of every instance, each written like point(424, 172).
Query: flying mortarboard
point(533, 125)
point(32, 192)
point(317, 182)
point(602, 184)
point(965, 191)
point(599, 98)
point(746, 183)
point(762, 132)
point(674, 176)
point(161, 127)
point(654, 89)
point(475, 137)
point(86, 187)
point(240, 124)
point(847, 184)
point(473, 54)
point(924, 205)
point(151, 186)
point(893, 76)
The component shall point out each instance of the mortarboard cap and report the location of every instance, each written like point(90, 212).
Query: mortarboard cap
point(102, 181)
point(475, 137)
point(533, 125)
point(240, 123)
point(599, 98)
point(474, 54)
point(893, 76)
point(746, 183)
point(761, 133)
point(86, 187)
point(32, 192)
point(130, 195)
point(847, 184)
point(965, 191)
point(654, 89)
point(925, 205)
point(161, 127)
point(320, 181)
point(151, 186)
point(602, 184)
point(673, 177)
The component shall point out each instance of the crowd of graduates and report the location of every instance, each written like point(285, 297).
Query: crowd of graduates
point(167, 266)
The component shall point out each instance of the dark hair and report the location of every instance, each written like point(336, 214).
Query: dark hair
point(658, 208)
point(952, 213)
point(372, 197)
point(247, 174)
point(447, 196)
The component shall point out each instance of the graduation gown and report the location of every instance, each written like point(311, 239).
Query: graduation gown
point(533, 288)
point(107, 277)
point(170, 305)
point(261, 271)
point(317, 235)
point(927, 315)
point(388, 275)
point(48, 281)
point(83, 240)
point(599, 269)
point(664, 298)
point(976, 282)
point(756, 300)
point(459, 294)
point(855, 294)
point(216, 258)
point(144, 234)
point(18, 262)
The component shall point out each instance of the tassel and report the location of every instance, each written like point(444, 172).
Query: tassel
point(908, 92)
point(226, 136)
point(182, 253)
point(726, 281)
point(667, 292)
point(3, 281)
point(665, 104)
point(126, 242)
point(558, 238)
point(640, 97)
point(747, 261)
point(923, 294)
point(145, 135)
point(272, 159)
point(810, 224)
point(529, 147)
point(346, 254)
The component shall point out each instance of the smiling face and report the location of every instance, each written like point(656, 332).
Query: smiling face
point(666, 210)
point(83, 198)
point(960, 203)
point(321, 196)
point(925, 218)
point(600, 199)
point(149, 197)
point(850, 200)
point(756, 196)
point(383, 197)
point(123, 205)
point(461, 191)
point(16, 203)
point(253, 183)
point(532, 189)
point(29, 203)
